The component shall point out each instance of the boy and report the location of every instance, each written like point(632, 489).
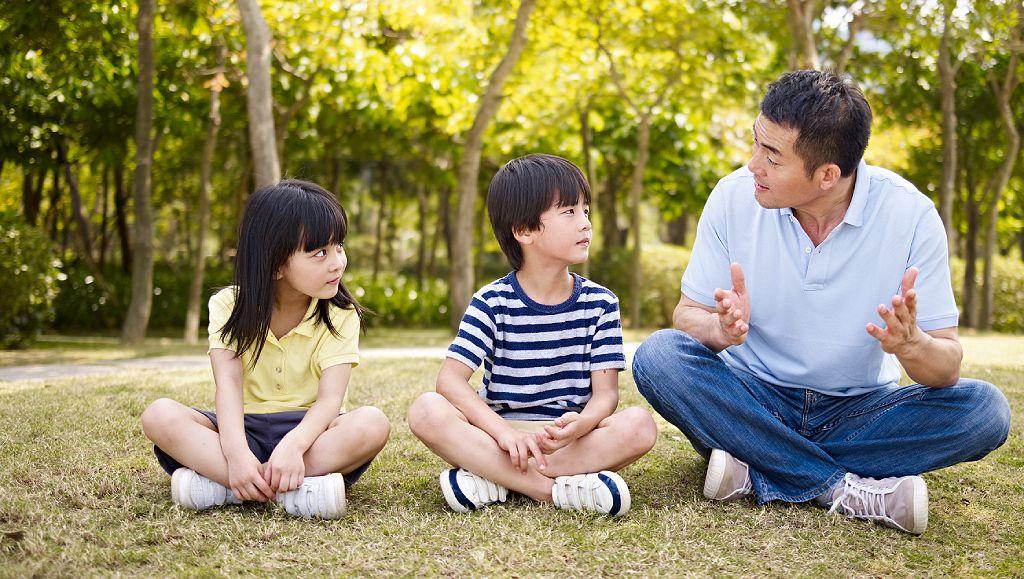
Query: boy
point(551, 345)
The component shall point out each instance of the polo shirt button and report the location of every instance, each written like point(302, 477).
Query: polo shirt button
point(278, 386)
point(807, 250)
point(278, 369)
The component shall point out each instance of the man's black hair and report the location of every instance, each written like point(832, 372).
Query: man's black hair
point(523, 189)
point(829, 112)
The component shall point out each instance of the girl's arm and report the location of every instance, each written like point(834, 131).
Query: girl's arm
point(244, 470)
point(453, 384)
point(286, 468)
point(572, 425)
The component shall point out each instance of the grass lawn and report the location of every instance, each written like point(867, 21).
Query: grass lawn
point(80, 493)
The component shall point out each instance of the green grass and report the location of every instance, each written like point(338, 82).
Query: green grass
point(80, 493)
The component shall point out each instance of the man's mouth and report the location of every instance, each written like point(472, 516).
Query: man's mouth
point(760, 187)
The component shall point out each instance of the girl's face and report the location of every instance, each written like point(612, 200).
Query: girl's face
point(316, 273)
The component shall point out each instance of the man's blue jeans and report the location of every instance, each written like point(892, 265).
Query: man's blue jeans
point(800, 443)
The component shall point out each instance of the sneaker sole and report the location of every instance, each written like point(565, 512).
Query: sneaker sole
point(340, 503)
point(180, 481)
point(920, 507)
point(716, 473)
point(449, 492)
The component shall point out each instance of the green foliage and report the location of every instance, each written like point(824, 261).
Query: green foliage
point(663, 267)
point(1008, 299)
point(396, 301)
point(28, 281)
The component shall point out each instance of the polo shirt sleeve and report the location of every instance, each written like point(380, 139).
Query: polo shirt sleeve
point(606, 349)
point(936, 307)
point(220, 306)
point(475, 339)
point(343, 348)
point(708, 268)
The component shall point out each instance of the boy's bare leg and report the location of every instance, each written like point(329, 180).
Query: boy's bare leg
point(445, 430)
point(351, 439)
point(617, 441)
point(186, 435)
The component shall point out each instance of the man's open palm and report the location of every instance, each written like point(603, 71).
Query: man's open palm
point(733, 307)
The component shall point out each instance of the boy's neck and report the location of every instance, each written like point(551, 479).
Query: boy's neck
point(549, 285)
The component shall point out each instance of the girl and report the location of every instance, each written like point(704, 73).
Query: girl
point(283, 342)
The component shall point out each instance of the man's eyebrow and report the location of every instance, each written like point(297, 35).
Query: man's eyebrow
point(769, 147)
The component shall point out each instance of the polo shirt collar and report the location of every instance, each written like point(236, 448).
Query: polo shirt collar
point(306, 326)
point(855, 212)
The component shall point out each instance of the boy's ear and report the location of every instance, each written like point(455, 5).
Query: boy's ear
point(523, 235)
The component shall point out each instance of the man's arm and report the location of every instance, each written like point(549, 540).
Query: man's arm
point(724, 325)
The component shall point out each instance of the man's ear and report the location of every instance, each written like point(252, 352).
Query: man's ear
point(828, 176)
point(523, 235)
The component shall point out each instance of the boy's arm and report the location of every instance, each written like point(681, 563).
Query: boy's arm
point(286, 469)
point(244, 471)
point(571, 425)
point(453, 384)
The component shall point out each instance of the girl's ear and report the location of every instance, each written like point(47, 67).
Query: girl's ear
point(524, 236)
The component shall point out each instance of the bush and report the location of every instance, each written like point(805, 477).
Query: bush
point(663, 267)
point(397, 302)
point(28, 281)
point(1008, 298)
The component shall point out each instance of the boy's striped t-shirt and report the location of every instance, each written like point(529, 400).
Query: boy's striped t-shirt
point(538, 358)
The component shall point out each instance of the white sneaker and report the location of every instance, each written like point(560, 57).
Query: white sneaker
point(603, 492)
point(192, 490)
point(318, 496)
point(897, 502)
point(465, 491)
point(728, 478)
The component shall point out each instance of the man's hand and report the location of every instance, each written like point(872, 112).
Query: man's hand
point(901, 332)
point(520, 445)
point(567, 429)
point(285, 469)
point(733, 308)
point(245, 477)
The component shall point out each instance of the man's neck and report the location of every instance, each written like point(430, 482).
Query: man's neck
point(548, 285)
point(822, 216)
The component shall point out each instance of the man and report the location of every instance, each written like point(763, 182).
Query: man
point(788, 381)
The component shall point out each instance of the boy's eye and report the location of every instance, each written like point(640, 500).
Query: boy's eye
point(320, 253)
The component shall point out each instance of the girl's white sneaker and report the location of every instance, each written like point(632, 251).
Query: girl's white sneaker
point(322, 497)
point(192, 490)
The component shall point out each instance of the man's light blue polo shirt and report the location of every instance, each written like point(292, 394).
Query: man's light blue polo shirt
point(809, 305)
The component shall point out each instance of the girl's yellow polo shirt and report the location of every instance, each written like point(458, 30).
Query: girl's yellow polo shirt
point(287, 374)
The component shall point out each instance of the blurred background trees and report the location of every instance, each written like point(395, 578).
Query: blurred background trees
point(390, 104)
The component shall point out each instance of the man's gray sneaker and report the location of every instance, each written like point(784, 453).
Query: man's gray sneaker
point(897, 502)
point(727, 479)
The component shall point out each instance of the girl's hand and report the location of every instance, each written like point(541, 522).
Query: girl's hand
point(520, 445)
point(285, 469)
point(567, 429)
point(245, 477)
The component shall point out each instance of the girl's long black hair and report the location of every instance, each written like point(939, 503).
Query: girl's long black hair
point(279, 220)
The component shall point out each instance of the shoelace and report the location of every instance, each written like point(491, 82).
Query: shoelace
point(870, 498)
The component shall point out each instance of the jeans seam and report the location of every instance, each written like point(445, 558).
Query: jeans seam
point(882, 411)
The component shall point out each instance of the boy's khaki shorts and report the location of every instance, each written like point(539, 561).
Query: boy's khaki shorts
point(530, 425)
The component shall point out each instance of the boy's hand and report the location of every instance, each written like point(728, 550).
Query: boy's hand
point(285, 469)
point(567, 428)
point(520, 445)
point(245, 477)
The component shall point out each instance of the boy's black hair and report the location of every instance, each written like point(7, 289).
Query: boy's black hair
point(523, 189)
point(829, 112)
point(280, 220)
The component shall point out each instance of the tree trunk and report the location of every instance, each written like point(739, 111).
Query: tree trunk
point(378, 245)
point(586, 145)
point(947, 94)
point(608, 204)
point(32, 194)
point(970, 286)
point(104, 214)
point(444, 210)
point(121, 218)
point(421, 247)
point(137, 317)
point(1003, 89)
point(801, 27)
point(260, 103)
point(82, 234)
point(677, 229)
point(636, 192)
point(461, 274)
point(53, 212)
point(195, 290)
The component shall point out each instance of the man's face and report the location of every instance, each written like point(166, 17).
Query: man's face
point(780, 177)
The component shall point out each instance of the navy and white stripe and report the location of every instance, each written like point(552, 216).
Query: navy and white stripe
point(537, 358)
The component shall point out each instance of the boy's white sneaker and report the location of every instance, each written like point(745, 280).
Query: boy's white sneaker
point(728, 478)
point(602, 492)
point(192, 490)
point(465, 491)
point(322, 497)
point(897, 502)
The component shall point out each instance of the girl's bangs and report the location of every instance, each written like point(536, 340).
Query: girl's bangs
point(322, 224)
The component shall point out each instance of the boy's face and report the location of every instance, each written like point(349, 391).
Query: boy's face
point(563, 238)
